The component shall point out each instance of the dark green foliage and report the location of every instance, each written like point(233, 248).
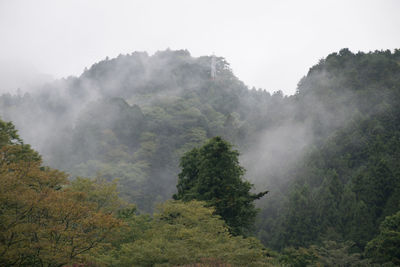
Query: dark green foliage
point(133, 117)
point(46, 221)
point(330, 253)
point(12, 147)
point(348, 182)
point(385, 247)
point(298, 257)
point(212, 173)
point(8, 134)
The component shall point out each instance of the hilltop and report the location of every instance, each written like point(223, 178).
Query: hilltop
point(328, 154)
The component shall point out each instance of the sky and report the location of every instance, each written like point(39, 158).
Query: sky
point(269, 44)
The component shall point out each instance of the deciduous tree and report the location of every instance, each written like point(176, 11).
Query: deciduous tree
point(42, 223)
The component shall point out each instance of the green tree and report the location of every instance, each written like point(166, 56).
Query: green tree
point(184, 233)
point(212, 173)
point(12, 147)
point(386, 246)
point(43, 222)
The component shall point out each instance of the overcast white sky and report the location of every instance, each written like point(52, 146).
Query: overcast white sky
point(270, 44)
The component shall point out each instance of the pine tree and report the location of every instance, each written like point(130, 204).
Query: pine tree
point(212, 173)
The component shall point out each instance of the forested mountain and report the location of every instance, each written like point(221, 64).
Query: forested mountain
point(329, 154)
point(133, 117)
point(348, 181)
point(47, 221)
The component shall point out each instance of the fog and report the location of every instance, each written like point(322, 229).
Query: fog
point(18, 77)
point(270, 44)
point(63, 63)
point(132, 117)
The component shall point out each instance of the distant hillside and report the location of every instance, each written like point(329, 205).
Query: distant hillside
point(132, 117)
point(328, 154)
point(348, 182)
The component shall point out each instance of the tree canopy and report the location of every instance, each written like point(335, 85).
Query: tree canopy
point(47, 221)
point(43, 222)
point(385, 247)
point(212, 173)
point(184, 233)
point(330, 152)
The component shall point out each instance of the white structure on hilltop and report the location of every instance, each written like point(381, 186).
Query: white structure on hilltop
point(213, 66)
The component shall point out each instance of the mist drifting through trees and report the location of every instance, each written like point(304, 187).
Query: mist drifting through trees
point(328, 155)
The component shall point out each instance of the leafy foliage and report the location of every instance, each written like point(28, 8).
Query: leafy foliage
point(329, 153)
point(212, 173)
point(133, 117)
point(186, 233)
point(348, 182)
point(385, 247)
point(41, 223)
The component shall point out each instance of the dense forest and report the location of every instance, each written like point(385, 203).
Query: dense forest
point(169, 166)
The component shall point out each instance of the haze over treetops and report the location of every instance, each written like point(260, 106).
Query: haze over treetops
point(142, 124)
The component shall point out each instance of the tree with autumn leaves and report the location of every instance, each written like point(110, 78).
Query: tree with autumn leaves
point(44, 222)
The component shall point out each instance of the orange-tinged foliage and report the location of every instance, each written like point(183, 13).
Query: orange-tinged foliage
point(42, 223)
